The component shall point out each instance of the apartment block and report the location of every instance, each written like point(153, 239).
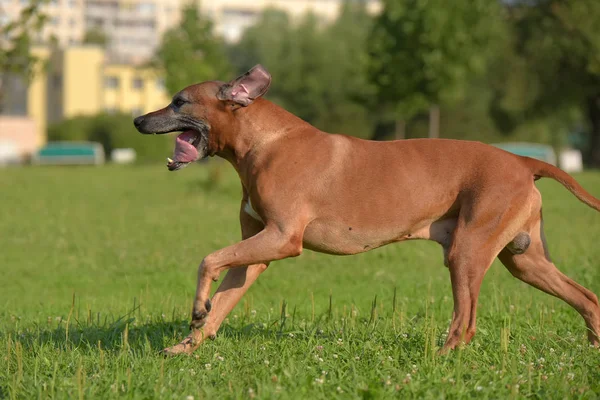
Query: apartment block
point(231, 17)
point(133, 28)
point(66, 22)
point(79, 81)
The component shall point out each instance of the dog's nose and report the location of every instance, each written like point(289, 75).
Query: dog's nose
point(138, 121)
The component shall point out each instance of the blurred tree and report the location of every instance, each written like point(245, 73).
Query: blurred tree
point(423, 53)
point(191, 53)
point(113, 131)
point(319, 69)
point(95, 36)
point(556, 64)
point(16, 40)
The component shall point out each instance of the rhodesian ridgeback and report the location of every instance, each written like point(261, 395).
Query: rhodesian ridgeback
point(336, 194)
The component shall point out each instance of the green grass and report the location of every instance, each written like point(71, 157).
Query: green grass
point(97, 274)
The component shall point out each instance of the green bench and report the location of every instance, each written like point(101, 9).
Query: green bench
point(69, 153)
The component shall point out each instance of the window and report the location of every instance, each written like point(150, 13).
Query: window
point(110, 110)
point(160, 83)
point(136, 112)
point(137, 83)
point(72, 22)
point(146, 7)
point(55, 21)
point(111, 82)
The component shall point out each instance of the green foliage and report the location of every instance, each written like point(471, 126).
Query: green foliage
point(191, 53)
point(425, 52)
point(113, 131)
point(127, 243)
point(16, 40)
point(95, 36)
point(319, 70)
point(553, 71)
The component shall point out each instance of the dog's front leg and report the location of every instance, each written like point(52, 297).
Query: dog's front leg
point(230, 291)
point(272, 243)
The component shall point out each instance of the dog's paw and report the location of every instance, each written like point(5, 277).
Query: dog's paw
point(186, 346)
point(174, 351)
point(199, 315)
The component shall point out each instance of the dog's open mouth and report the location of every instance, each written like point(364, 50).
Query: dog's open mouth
point(186, 150)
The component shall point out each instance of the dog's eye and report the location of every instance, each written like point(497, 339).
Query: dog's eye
point(179, 102)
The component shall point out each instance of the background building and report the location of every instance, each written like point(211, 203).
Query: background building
point(80, 81)
point(66, 22)
point(133, 28)
point(231, 17)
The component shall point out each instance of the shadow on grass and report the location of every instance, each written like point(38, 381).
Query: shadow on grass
point(124, 334)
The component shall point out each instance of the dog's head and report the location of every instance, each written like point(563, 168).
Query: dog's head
point(197, 108)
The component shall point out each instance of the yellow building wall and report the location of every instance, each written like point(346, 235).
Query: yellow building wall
point(82, 81)
point(72, 82)
point(37, 96)
point(128, 98)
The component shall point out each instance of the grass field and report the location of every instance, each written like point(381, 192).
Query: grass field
point(97, 274)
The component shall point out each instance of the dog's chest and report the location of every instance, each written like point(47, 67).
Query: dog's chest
point(251, 212)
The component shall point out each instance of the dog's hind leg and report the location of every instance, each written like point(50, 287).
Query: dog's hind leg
point(467, 269)
point(230, 291)
point(484, 228)
point(535, 268)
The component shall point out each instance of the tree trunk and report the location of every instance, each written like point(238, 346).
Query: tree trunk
point(593, 105)
point(400, 129)
point(434, 121)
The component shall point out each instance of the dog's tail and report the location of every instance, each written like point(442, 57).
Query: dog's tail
point(542, 169)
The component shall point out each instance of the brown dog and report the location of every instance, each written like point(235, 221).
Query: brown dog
point(304, 188)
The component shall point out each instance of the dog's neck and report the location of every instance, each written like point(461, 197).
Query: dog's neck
point(255, 128)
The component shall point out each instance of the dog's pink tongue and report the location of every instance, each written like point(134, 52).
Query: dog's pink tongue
point(184, 151)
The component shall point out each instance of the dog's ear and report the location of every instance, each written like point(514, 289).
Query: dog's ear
point(244, 89)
